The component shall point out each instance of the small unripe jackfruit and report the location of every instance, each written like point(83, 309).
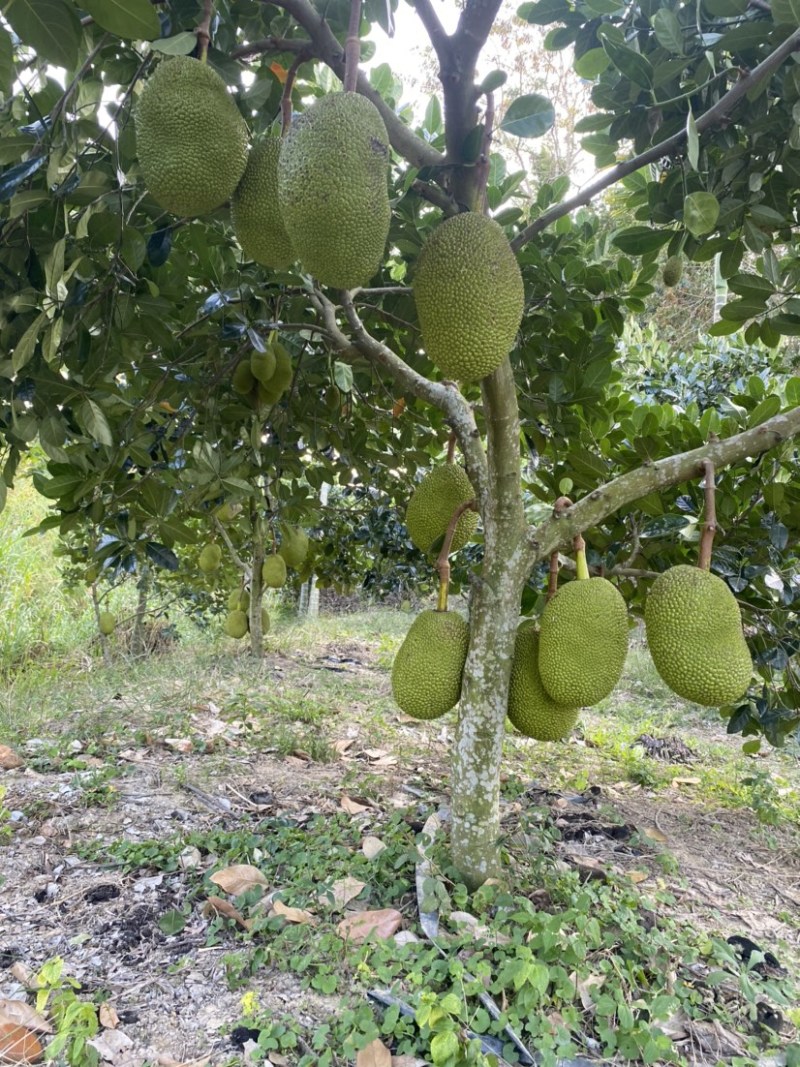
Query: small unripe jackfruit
point(469, 295)
point(243, 380)
point(432, 505)
point(294, 546)
point(107, 623)
point(255, 214)
point(273, 572)
point(235, 624)
point(265, 622)
point(209, 559)
point(694, 631)
point(190, 138)
point(673, 269)
point(530, 708)
point(262, 365)
point(429, 665)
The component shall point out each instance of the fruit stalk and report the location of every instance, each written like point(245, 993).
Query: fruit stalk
point(443, 560)
point(560, 505)
point(203, 31)
point(710, 524)
point(352, 48)
point(286, 95)
point(579, 547)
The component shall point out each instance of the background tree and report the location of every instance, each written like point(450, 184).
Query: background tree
point(115, 316)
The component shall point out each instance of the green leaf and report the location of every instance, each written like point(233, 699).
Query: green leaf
point(531, 115)
point(134, 19)
point(50, 27)
point(632, 64)
point(590, 65)
point(179, 45)
point(668, 31)
point(26, 345)
point(700, 213)
point(444, 1046)
point(7, 72)
point(95, 423)
point(3, 494)
point(786, 11)
point(343, 376)
point(768, 407)
point(692, 141)
point(639, 240)
point(172, 922)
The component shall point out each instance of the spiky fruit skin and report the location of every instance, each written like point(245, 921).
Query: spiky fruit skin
point(273, 572)
point(469, 295)
point(294, 546)
point(583, 641)
point(333, 189)
point(694, 631)
point(272, 390)
point(107, 623)
point(209, 559)
point(255, 215)
point(242, 380)
point(235, 624)
point(190, 138)
point(429, 665)
point(530, 708)
point(673, 269)
point(233, 601)
point(432, 504)
point(265, 622)
point(262, 366)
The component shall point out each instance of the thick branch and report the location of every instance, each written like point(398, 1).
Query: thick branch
point(474, 26)
point(715, 115)
point(326, 48)
point(447, 399)
point(433, 27)
point(296, 46)
point(609, 498)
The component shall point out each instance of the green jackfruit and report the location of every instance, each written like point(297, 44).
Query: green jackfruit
point(265, 622)
point(583, 640)
point(694, 630)
point(228, 511)
point(262, 365)
point(469, 295)
point(91, 574)
point(530, 708)
point(270, 392)
point(256, 218)
point(107, 623)
point(209, 559)
point(242, 380)
point(235, 624)
point(294, 546)
point(190, 138)
point(432, 505)
point(273, 572)
point(333, 189)
point(429, 665)
point(233, 601)
point(673, 269)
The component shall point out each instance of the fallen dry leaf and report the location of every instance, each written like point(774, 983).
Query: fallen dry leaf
point(686, 781)
point(375, 1054)
point(21, 1014)
point(407, 1061)
point(655, 834)
point(376, 753)
point(293, 915)
point(383, 923)
point(343, 744)
point(19, 1045)
point(108, 1016)
point(217, 906)
point(637, 876)
point(167, 1061)
point(9, 760)
point(178, 744)
point(352, 807)
point(238, 878)
point(343, 891)
point(372, 847)
point(24, 975)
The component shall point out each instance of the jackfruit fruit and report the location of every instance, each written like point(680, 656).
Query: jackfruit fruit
point(273, 572)
point(242, 380)
point(583, 640)
point(265, 622)
point(469, 295)
point(271, 391)
point(294, 546)
point(530, 708)
point(235, 624)
point(91, 574)
point(107, 623)
point(432, 505)
point(333, 189)
point(209, 559)
point(694, 630)
point(234, 601)
point(673, 269)
point(429, 665)
point(190, 138)
point(256, 219)
point(228, 511)
point(262, 365)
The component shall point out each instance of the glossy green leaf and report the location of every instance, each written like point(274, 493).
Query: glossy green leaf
point(133, 19)
point(7, 72)
point(50, 27)
point(639, 240)
point(95, 422)
point(786, 11)
point(179, 45)
point(628, 62)
point(700, 213)
point(531, 115)
point(668, 31)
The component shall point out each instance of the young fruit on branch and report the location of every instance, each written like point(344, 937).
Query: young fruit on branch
point(530, 708)
point(273, 572)
point(209, 559)
point(429, 665)
point(432, 504)
point(256, 218)
point(235, 624)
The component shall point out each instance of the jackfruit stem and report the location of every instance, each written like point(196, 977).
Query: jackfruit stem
point(286, 95)
point(581, 566)
point(203, 31)
point(552, 581)
point(352, 48)
point(451, 446)
point(444, 587)
point(710, 524)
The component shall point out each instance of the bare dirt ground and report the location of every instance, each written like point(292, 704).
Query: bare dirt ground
point(728, 873)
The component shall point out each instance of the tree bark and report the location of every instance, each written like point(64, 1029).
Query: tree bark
point(137, 637)
point(257, 590)
point(104, 642)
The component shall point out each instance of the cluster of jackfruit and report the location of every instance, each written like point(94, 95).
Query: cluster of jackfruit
point(265, 376)
point(237, 620)
point(291, 552)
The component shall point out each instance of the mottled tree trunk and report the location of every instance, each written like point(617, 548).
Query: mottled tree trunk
point(257, 592)
point(137, 637)
point(105, 645)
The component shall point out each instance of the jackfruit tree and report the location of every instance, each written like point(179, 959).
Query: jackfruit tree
point(204, 377)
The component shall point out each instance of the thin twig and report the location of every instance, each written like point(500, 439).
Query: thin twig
point(710, 515)
point(552, 578)
point(286, 95)
point(482, 166)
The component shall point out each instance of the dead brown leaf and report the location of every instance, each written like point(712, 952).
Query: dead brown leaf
point(407, 1061)
point(376, 753)
point(372, 847)
point(217, 906)
point(343, 744)
point(382, 923)
point(636, 876)
point(21, 1014)
point(352, 807)
point(9, 760)
point(108, 1016)
point(238, 878)
point(19, 1045)
point(375, 1054)
point(343, 891)
point(293, 915)
point(654, 834)
point(686, 781)
point(178, 744)
point(24, 975)
point(167, 1061)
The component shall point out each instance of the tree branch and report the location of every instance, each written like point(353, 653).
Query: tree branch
point(326, 48)
point(294, 45)
point(445, 397)
point(673, 470)
point(474, 25)
point(716, 114)
point(433, 27)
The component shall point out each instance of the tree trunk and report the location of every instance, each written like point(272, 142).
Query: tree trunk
point(104, 642)
point(137, 637)
point(257, 592)
point(494, 616)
